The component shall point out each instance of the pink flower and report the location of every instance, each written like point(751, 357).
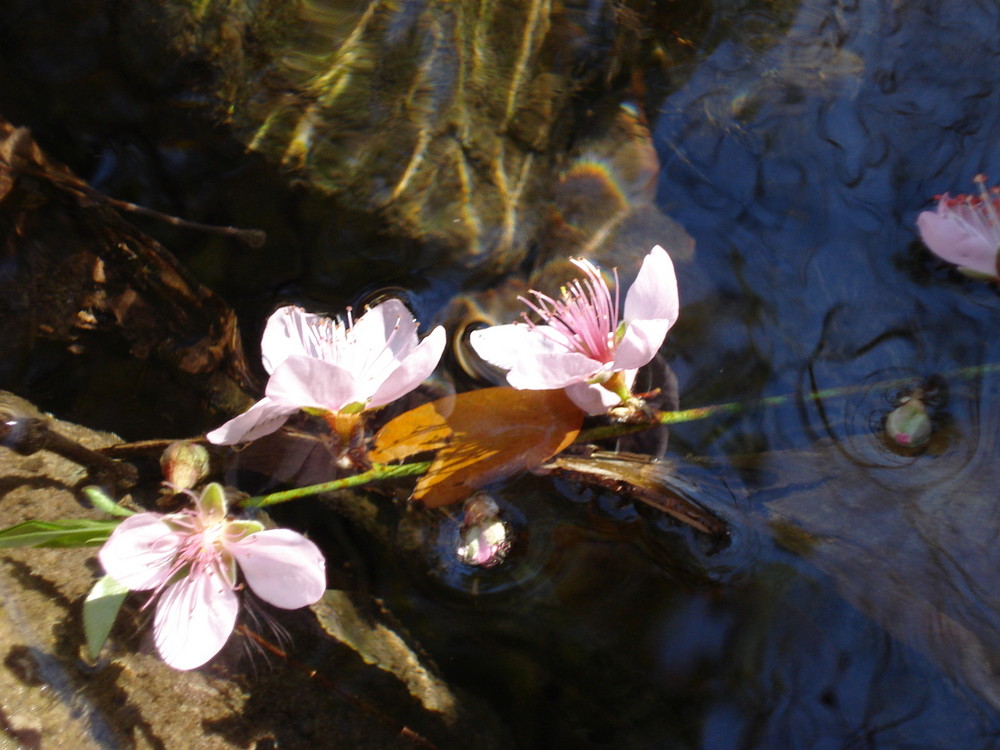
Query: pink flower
point(190, 559)
point(328, 366)
point(965, 230)
point(582, 344)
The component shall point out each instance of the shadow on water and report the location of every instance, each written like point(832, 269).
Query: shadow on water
point(856, 606)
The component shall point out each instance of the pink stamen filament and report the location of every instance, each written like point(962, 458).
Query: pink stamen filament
point(585, 316)
point(201, 548)
point(977, 214)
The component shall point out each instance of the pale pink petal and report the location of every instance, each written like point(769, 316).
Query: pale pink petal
point(653, 295)
point(641, 342)
point(412, 371)
point(596, 399)
point(954, 244)
point(261, 419)
point(194, 619)
point(543, 371)
point(140, 552)
point(282, 567)
point(389, 319)
point(502, 346)
point(287, 335)
point(303, 381)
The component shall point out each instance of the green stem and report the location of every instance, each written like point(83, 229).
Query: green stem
point(381, 472)
point(377, 473)
point(735, 407)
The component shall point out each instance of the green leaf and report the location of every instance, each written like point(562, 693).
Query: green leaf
point(67, 532)
point(100, 609)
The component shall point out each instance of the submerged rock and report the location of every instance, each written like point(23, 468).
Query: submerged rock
point(451, 121)
point(288, 679)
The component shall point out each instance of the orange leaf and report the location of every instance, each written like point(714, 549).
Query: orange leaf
point(478, 437)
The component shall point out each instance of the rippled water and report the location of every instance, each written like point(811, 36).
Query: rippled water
point(856, 606)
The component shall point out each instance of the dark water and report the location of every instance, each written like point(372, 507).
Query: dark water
point(798, 157)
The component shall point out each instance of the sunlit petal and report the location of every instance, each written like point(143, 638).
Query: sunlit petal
point(412, 370)
point(261, 419)
point(641, 342)
point(304, 381)
point(285, 336)
point(545, 371)
point(390, 321)
point(140, 552)
point(653, 295)
point(194, 619)
point(282, 567)
point(596, 399)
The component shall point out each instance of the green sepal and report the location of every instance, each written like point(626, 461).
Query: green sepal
point(100, 500)
point(239, 529)
point(355, 407)
point(213, 502)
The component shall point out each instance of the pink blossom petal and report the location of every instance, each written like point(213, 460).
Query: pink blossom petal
point(412, 370)
point(388, 320)
point(285, 335)
point(139, 553)
point(653, 295)
point(304, 381)
point(194, 619)
point(543, 371)
point(502, 346)
point(953, 243)
point(261, 419)
point(596, 399)
point(282, 567)
point(641, 342)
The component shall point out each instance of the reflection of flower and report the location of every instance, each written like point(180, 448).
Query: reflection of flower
point(965, 230)
point(581, 344)
point(326, 365)
point(191, 558)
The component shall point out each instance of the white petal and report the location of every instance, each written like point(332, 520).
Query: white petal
point(541, 371)
point(641, 342)
point(282, 567)
point(501, 346)
point(261, 419)
point(596, 399)
point(954, 244)
point(285, 335)
point(194, 619)
point(413, 370)
point(388, 320)
point(303, 381)
point(653, 295)
point(140, 552)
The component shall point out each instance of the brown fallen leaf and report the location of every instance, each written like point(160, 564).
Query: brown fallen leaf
point(478, 437)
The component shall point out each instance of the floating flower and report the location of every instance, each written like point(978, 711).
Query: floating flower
point(334, 368)
point(965, 230)
point(582, 344)
point(190, 560)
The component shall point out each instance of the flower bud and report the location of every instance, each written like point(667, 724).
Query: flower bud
point(184, 464)
point(908, 425)
point(484, 538)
